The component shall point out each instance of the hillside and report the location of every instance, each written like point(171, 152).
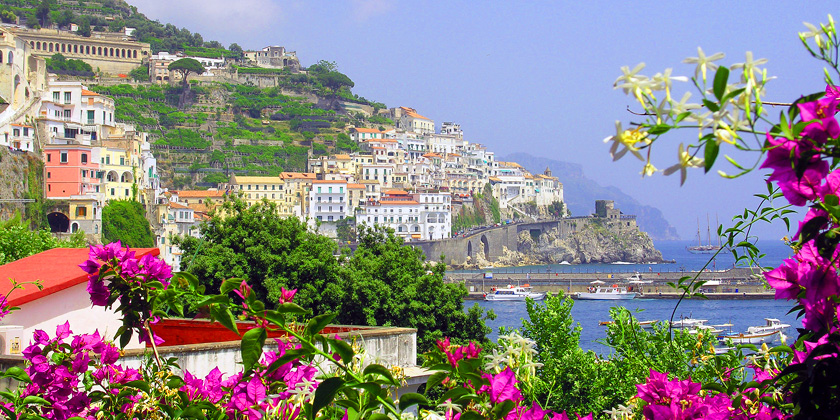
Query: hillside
point(581, 192)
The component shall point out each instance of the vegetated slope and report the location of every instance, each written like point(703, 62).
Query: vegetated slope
point(580, 193)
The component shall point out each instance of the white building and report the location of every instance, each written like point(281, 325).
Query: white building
point(417, 216)
point(328, 201)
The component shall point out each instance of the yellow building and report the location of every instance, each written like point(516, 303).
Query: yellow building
point(257, 188)
point(298, 185)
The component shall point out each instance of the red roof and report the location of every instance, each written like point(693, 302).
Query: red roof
point(57, 269)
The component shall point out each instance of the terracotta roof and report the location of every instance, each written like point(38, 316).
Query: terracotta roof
point(431, 155)
point(395, 192)
point(413, 113)
point(199, 193)
point(367, 130)
point(355, 186)
point(297, 175)
point(377, 147)
point(329, 181)
point(380, 141)
point(178, 206)
point(22, 125)
point(57, 269)
point(493, 178)
point(342, 157)
point(86, 92)
point(513, 164)
point(368, 181)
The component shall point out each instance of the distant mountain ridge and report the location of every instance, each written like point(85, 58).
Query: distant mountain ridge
point(580, 193)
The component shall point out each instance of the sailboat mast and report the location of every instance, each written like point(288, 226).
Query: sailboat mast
point(699, 240)
point(708, 230)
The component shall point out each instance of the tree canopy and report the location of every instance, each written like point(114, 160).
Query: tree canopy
point(125, 221)
point(185, 66)
point(17, 241)
point(382, 283)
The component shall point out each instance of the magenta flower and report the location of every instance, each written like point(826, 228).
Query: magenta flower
point(99, 293)
point(471, 351)
point(820, 113)
point(502, 387)
point(798, 191)
point(250, 399)
point(784, 279)
point(155, 269)
point(286, 295)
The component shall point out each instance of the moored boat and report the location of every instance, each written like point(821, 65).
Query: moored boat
point(757, 338)
point(605, 293)
point(773, 324)
point(514, 293)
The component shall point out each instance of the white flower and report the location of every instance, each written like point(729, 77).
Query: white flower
point(750, 68)
point(703, 62)
point(678, 108)
point(813, 32)
point(663, 81)
point(631, 82)
point(648, 169)
point(684, 160)
point(631, 140)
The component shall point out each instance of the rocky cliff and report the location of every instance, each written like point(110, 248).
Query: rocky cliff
point(598, 241)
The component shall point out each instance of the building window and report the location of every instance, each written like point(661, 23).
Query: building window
point(81, 211)
point(48, 175)
point(63, 157)
point(56, 96)
point(91, 116)
point(67, 97)
point(84, 158)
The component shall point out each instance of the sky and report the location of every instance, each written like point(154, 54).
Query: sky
point(536, 77)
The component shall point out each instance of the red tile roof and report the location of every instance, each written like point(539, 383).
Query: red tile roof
point(86, 92)
point(57, 269)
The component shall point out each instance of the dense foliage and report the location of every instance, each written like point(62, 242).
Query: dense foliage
point(382, 283)
point(18, 241)
point(125, 221)
point(61, 65)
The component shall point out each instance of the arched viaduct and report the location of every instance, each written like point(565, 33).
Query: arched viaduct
point(491, 241)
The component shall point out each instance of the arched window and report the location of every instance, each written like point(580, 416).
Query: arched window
point(75, 49)
point(135, 53)
point(112, 52)
point(99, 49)
point(38, 45)
point(87, 49)
point(63, 47)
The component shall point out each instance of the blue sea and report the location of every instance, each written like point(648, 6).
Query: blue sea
point(740, 313)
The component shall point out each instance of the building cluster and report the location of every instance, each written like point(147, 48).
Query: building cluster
point(411, 178)
point(407, 178)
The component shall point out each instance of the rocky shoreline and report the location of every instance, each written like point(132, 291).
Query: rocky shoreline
point(598, 242)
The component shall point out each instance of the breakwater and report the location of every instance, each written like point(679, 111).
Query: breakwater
point(734, 283)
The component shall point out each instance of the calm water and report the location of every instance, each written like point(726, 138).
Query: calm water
point(741, 313)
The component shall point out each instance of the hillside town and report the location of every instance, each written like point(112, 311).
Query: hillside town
point(412, 177)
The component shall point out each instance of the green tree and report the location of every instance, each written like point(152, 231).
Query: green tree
point(17, 241)
point(140, 74)
point(346, 230)
point(65, 18)
point(185, 66)
point(7, 16)
point(383, 283)
point(125, 221)
point(42, 12)
point(32, 21)
point(236, 50)
point(84, 27)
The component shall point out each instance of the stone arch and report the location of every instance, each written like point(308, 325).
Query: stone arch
point(126, 177)
point(112, 52)
point(99, 50)
point(75, 48)
point(59, 222)
point(11, 57)
point(63, 47)
point(111, 177)
point(135, 53)
point(123, 53)
point(38, 45)
point(486, 245)
point(469, 249)
point(74, 227)
point(87, 49)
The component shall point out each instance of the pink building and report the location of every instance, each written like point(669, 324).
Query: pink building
point(71, 169)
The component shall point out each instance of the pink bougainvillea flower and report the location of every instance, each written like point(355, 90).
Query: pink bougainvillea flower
point(471, 351)
point(443, 345)
point(820, 113)
point(818, 218)
point(502, 387)
point(784, 280)
point(799, 191)
point(99, 293)
point(286, 295)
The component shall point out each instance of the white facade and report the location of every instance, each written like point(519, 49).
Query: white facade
point(328, 201)
point(418, 216)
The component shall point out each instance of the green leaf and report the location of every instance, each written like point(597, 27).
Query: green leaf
point(212, 299)
point(501, 410)
point(290, 308)
point(682, 116)
point(471, 415)
point(224, 316)
point(17, 373)
point(275, 317)
point(711, 153)
point(229, 285)
point(325, 393)
point(374, 369)
point(378, 416)
point(411, 398)
point(141, 385)
point(252, 346)
point(193, 412)
point(721, 77)
point(435, 380)
point(316, 324)
point(32, 399)
point(711, 105)
point(659, 129)
point(344, 350)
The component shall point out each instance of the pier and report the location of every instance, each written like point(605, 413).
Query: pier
point(735, 283)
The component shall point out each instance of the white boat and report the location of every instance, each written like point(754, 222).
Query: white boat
point(757, 338)
point(773, 325)
point(689, 323)
point(605, 293)
point(513, 293)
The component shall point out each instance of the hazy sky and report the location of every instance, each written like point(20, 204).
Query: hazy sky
point(536, 76)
